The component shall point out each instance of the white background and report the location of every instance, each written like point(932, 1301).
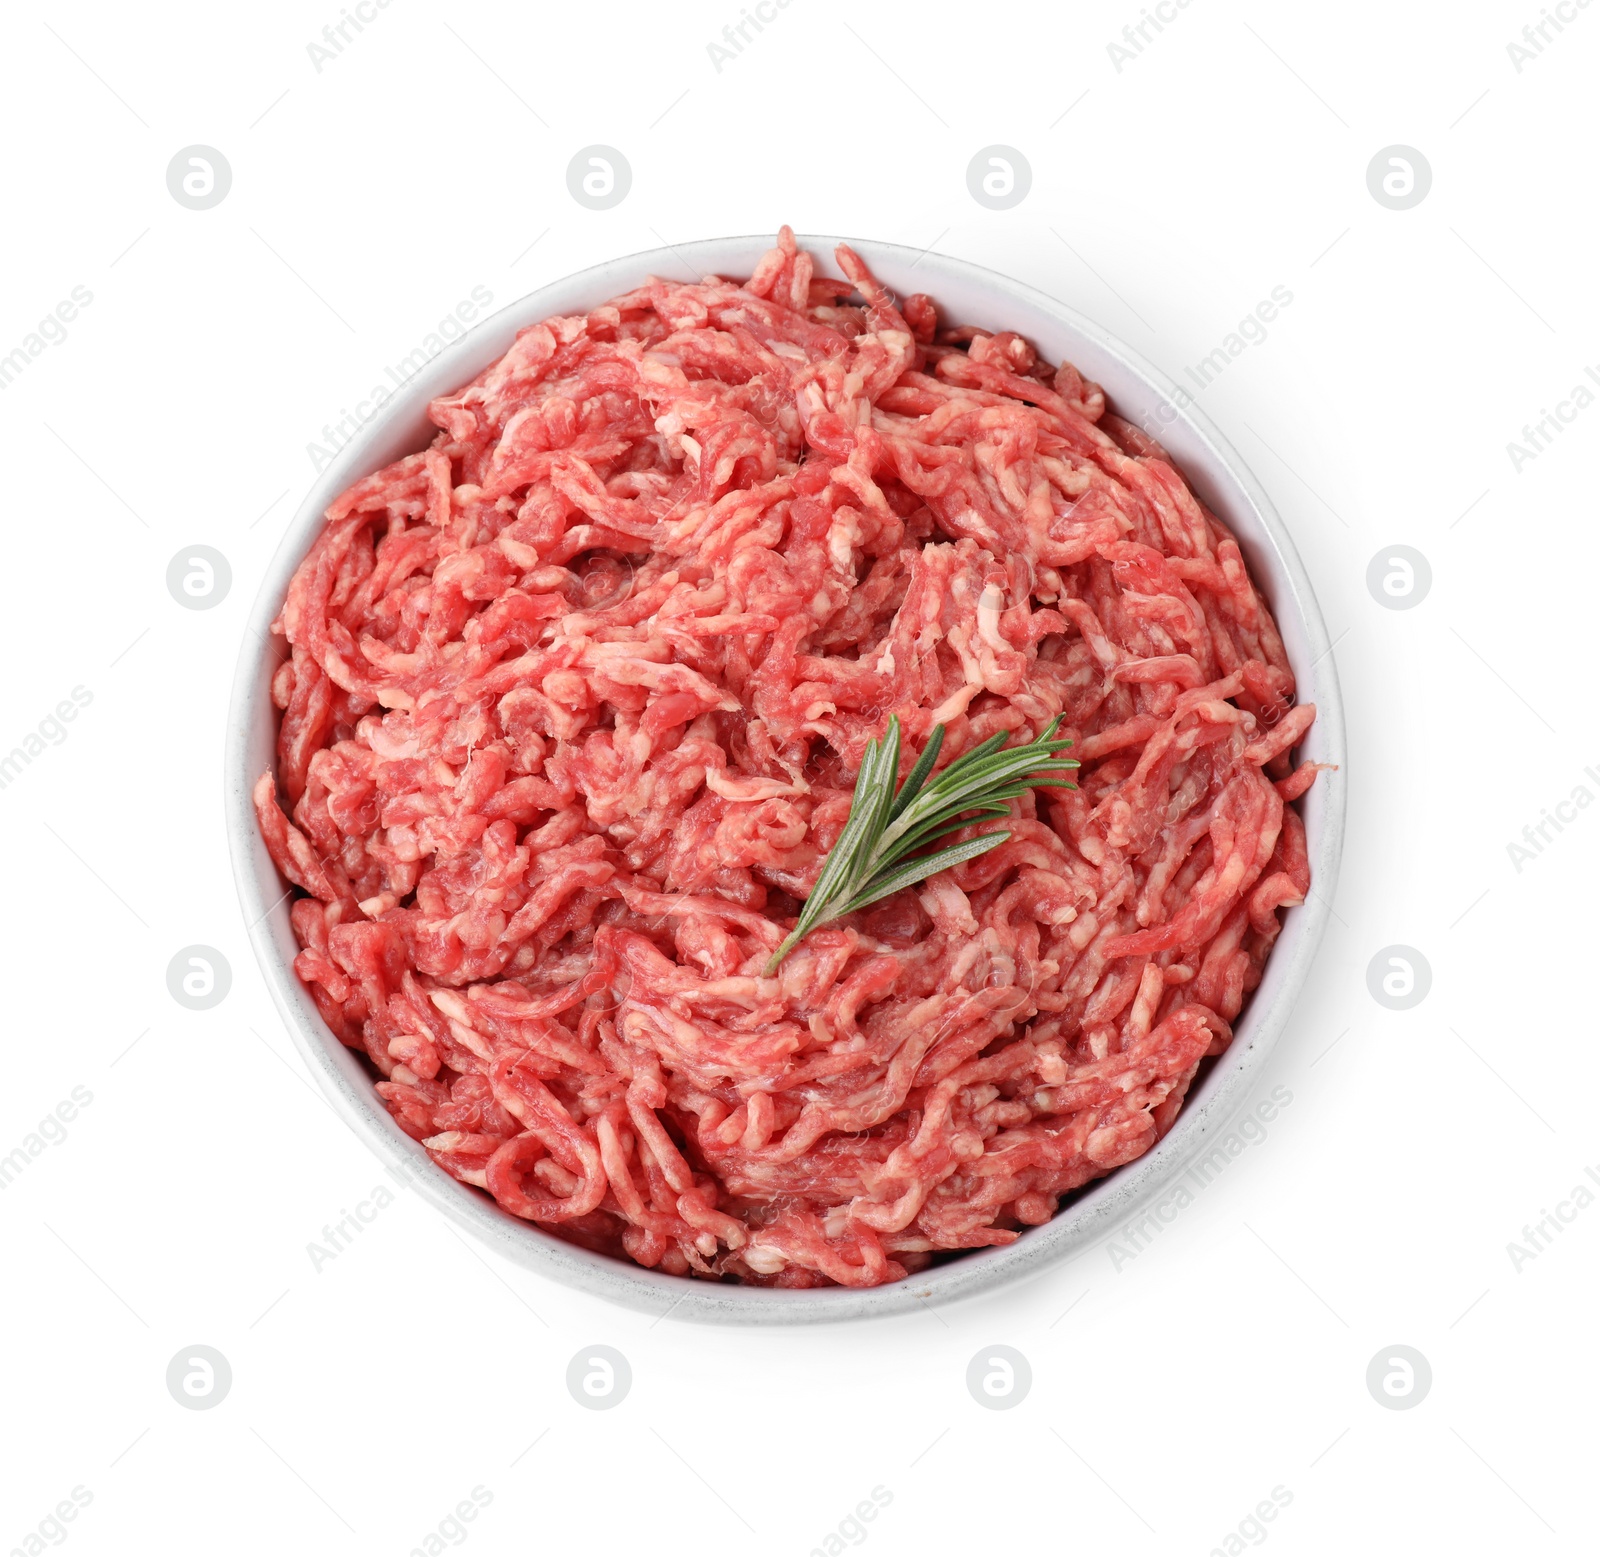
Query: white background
point(1171, 1395)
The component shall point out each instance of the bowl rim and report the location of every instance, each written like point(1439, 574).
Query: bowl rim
point(1096, 1211)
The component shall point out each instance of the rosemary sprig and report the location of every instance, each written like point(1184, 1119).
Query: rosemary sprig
point(875, 854)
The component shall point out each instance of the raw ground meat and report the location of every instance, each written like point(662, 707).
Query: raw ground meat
point(572, 710)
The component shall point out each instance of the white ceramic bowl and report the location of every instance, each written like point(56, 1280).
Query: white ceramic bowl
point(970, 295)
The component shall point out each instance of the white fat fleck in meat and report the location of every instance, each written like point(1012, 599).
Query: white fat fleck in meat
point(956, 704)
point(844, 534)
point(989, 606)
point(762, 1260)
point(751, 788)
point(948, 905)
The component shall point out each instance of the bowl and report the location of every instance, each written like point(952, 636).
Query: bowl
point(968, 294)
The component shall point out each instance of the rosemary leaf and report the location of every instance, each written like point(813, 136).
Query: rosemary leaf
point(875, 855)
